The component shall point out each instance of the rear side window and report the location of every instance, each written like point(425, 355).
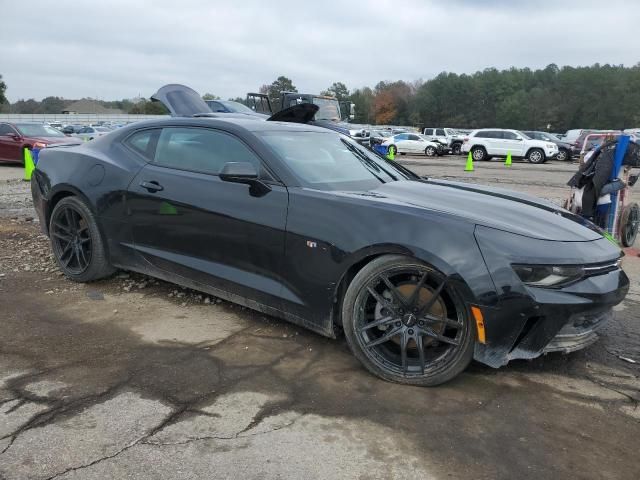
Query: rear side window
point(144, 142)
point(414, 137)
point(6, 129)
point(440, 132)
point(201, 150)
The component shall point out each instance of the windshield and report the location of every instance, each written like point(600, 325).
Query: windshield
point(329, 109)
point(524, 134)
point(236, 106)
point(327, 161)
point(550, 137)
point(38, 130)
point(102, 129)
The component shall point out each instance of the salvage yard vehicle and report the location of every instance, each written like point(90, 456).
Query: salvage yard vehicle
point(491, 142)
point(303, 223)
point(448, 136)
point(331, 114)
point(15, 137)
point(412, 143)
point(564, 148)
point(231, 106)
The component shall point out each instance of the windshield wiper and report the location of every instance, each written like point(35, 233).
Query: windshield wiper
point(367, 162)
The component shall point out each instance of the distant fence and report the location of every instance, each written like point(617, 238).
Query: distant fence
point(72, 118)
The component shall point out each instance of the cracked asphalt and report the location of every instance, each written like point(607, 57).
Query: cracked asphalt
point(135, 378)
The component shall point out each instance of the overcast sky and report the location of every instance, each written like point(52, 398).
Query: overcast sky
point(118, 49)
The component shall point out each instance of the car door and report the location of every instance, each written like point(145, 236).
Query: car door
point(415, 144)
point(9, 144)
point(402, 143)
point(512, 143)
point(186, 220)
point(441, 135)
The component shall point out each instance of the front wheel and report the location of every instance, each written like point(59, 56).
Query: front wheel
point(456, 149)
point(406, 323)
point(479, 154)
point(629, 223)
point(76, 241)
point(563, 155)
point(430, 151)
point(536, 155)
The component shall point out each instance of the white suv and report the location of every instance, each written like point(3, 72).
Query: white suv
point(489, 142)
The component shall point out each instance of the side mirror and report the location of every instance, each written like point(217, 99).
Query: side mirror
point(239, 172)
point(352, 111)
point(244, 172)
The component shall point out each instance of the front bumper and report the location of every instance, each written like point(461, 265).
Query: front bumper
point(526, 322)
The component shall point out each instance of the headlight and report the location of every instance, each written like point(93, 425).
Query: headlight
point(547, 275)
point(39, 145)
point(552, 146)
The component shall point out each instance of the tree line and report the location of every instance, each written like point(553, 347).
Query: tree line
point(553, 98)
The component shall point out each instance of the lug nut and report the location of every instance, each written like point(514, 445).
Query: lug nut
point(398, 324)
point(410, 331)
point(421, 323)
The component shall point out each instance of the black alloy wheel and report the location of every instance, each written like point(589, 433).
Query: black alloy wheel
point(76, 241)
point(406, 323)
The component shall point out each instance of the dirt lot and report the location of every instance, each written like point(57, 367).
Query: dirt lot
point(136, 378)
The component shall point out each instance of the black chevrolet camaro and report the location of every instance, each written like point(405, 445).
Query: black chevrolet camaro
point(302, 223)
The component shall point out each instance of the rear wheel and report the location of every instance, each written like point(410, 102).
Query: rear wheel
point(536, 155)
point(629, 223)
point(479, 154)
point(76, 241)
point(406, 323)
point(456, 149)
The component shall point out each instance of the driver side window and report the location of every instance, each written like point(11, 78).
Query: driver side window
point(201, 150)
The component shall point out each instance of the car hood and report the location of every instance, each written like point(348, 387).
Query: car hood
point(301, 113)
point(181, 101)
point(492, 207)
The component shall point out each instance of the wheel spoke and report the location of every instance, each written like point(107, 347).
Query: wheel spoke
point(420, 347)
point(436, 294)
point(387, 336)
point(381, 300)
point(61, 226)
point(62, 236)
point(71, 255)
point(416, 293)
point(404, 340)
point(441, 338)
point(68, 213)
point(377, 323)
point(81, 253)
point(447, 321)
point(394, 292)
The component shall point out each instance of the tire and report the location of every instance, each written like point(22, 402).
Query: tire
point(629, 223)
point(563, 155)
point(479, 154)
point(536, 155)
point(456, 149)
point(76, 242)
point(431, 151)
point(382, 335)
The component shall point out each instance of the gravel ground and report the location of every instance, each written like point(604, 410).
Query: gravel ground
point(131, 377)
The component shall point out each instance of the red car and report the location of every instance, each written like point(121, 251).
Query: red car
point(15, 137)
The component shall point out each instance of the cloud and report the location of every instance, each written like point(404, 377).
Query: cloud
point(119, 49)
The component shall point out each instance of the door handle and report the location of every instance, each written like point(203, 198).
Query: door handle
point(151, 186)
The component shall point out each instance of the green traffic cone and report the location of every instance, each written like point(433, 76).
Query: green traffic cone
point(507, 162)
point(391, 153)
point(29, 167)
point(469, 166)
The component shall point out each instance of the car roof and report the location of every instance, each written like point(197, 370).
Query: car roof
point(250, 124)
